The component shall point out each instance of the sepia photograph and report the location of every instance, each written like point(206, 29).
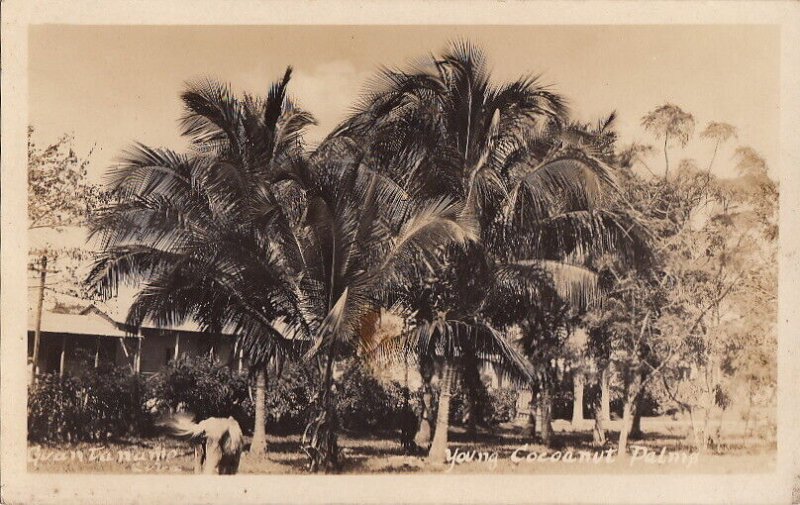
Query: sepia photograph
point(399, 249)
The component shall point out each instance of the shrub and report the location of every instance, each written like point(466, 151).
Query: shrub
point(504, 405)
point(114, 403)
point(204, 387)
point(54, 409)
point(396, 393)
point(361, 401)
point(100, 404)
point(289, 398)
point(495, 406)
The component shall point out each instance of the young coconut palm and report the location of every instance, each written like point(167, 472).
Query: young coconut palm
point(360, 232)
point(204, 233)
point(444, 128)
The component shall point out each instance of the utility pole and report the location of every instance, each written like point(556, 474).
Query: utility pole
point(38, 331)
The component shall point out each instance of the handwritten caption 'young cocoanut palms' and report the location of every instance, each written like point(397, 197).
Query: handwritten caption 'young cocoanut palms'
point(522, 455)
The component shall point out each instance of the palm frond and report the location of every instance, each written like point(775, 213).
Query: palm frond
point(575, 284)
point(276, 98)
point(438, 222)
point(450, 340)
point(334, 327)
point(212, 114)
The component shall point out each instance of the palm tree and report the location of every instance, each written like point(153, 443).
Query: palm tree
point(361, 232)
point(669, 121)
point(203, 233)
point(448, 331)
point(511, 156)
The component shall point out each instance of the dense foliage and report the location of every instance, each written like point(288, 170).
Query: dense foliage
point(99, 404)
point(204, 387)
point(495, 406)
point(108, 403)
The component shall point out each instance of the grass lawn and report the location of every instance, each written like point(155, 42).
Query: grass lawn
point(663, 450)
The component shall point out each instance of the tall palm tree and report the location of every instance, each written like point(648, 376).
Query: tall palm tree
point(361, 233)
point(204, 233)
point(444, 128)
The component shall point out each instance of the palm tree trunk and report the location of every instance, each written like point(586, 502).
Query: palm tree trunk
point(605, 394)
point(320, 437)
point(599, 430)
point(473, 387)
point(636, 423)
point(627, 420)
point(423, 437)
point(532, 411)
point(577, 399)
point(632, 393)
point(666, 156)
point(545, 414)
point(602, 410)
point(258, 447)
point(438, 451)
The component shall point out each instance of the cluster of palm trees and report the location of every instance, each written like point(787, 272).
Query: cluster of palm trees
point(467, 206)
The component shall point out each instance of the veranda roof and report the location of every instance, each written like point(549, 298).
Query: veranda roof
point(90, 324)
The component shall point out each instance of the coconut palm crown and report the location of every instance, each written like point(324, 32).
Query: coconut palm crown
point(193, 228)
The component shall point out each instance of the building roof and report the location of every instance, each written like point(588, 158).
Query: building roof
point(87, 323)
point(93, 321)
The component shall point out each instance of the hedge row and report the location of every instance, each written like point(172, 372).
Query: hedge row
point(106, 403)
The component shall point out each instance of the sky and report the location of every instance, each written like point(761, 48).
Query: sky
point(112, 85)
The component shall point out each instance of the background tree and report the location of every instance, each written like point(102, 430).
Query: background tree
point(686, 213)
point(671, 122)
point(59, 193)
point(581, 368)
point(599, 350)
point(718, 133)
point(544, 335)
point(60, 200)
point(716, 264)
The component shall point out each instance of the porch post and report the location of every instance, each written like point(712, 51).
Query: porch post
point(177, 346)
point(63, 358)
point(97, 353)
point(137, 363)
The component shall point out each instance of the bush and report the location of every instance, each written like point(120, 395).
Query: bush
point(204, 387)
point(289, 398)
point(100, 404)
point(397, 394)
point(503, 406)
point(495, 406)
point(54, 409)
point(362, 403)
